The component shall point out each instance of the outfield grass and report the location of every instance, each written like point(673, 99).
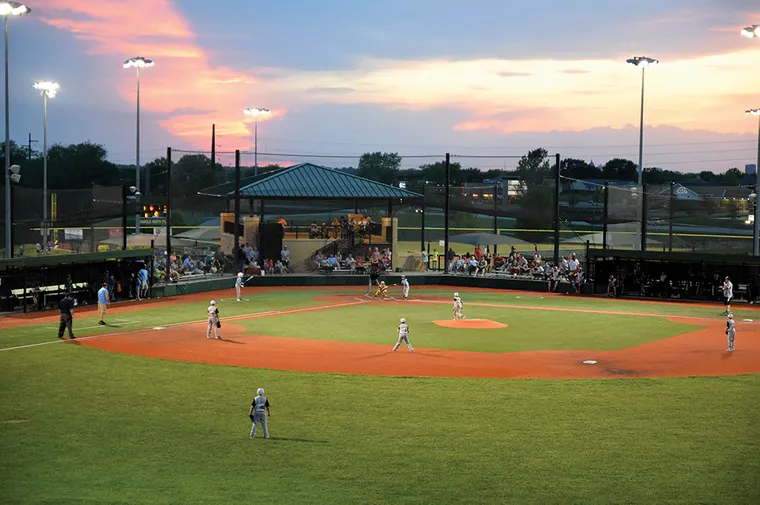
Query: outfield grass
point(109, 428)
point(100, 427)
point(527, 330)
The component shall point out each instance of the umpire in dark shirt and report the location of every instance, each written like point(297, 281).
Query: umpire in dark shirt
point(65, 306)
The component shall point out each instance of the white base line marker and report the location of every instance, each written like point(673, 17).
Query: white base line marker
point(177, 325)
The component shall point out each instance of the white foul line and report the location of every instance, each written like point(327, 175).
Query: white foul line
point(232, 318)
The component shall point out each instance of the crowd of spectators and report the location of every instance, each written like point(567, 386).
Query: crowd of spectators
point(341, 228)
point(370, 258)
point(516, 264)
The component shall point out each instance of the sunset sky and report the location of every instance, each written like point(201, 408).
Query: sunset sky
point(486, 77)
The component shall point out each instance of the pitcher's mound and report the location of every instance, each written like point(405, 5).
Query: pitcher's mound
point(470, 324)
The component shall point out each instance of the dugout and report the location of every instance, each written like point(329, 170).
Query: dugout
point(675, 275)
point(35, 283)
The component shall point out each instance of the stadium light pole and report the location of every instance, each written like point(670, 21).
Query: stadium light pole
point(255, 112)
point(139, 62)
point(643, 62)
point(48, 89)
point(751, 31)
point(8, 9)
point(756, 227)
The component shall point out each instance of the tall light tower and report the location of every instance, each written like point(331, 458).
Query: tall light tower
point(643, 62)
point(48, 89)
point(751, 31)
point(8, 9)
point(139, 62)
point(756, 228)
point(255, 112)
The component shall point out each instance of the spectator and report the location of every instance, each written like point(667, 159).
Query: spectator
point(612, 286)
point(285, 256)
point(324, 233)
point(572, 265)
point(350, 263)
point(313, 231)
point(336, 228)
point(483, 266)
point(472, 265)
point(359, 266)
point(144, 286)
point(578, 281)
point(436, 264)
point(553, 278)
point(343, 227)
point(478, 253)
point(425, 260)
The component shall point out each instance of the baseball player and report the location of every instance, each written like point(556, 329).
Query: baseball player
point(259, 412)
point(239, 285)
point(373, 276)
point(404, 287)
point(403, 336)
point(730, 332)
point(213, 320)
point(728, 294)
point(457, 308)
point(382, 290)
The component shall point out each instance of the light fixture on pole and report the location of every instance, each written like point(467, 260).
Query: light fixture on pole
point(47, 89)
point(139, 62)
point(643, 62)
point(751, 31)
point(255, 112)
point(8, 9)
point(756, 227)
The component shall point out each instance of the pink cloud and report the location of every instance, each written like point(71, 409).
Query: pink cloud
point(183, 76)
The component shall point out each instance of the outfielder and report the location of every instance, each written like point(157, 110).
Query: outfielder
point(239, 285)
point(259, 412)
point(403, 336)
point(730, 332)
point(457, 308)
point(404, 287)
point(213, 320)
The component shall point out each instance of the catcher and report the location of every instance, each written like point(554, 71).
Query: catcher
point(213, 320)
point(382, 290)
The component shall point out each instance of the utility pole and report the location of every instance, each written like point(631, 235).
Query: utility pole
point(31, 141)
point(213, 147)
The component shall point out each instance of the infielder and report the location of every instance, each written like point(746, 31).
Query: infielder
point(457, 308)
point(213, 320)
point(403, 336)
point(404, 287)
point(728, 294)
point(259, 412)
point(239, 282)
point(730, 332)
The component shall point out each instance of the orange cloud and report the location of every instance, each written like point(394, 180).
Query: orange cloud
point(182, 77)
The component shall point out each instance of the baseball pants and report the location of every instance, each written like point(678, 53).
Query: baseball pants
point(406, 293)
point(260, 418)
point(403, 338)
point(65, 324)
point(212, 325)
point(237, 290)
point(731, 335)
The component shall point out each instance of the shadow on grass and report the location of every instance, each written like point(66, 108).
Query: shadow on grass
point(309, 441)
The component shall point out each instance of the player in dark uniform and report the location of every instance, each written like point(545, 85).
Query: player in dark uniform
point(66, 306)
point(374, 274)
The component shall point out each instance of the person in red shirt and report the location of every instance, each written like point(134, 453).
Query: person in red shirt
point(478, 253)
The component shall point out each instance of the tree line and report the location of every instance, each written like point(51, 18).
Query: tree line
point(82, 165)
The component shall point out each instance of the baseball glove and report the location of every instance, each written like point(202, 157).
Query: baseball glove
point(251, 416)
point(218, 324)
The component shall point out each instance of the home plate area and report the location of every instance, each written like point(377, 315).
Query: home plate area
point(469, 324)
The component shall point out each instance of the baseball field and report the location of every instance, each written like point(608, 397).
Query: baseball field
point(500, 408)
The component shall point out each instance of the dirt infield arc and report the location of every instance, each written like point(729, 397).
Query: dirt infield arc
point(697, 353)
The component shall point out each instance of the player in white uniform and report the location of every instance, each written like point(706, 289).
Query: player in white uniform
point(239, 285)
point(213, 320)
point(457, 308)
point(403, 336)
point(728, 294)
point(730, 332)
point(404, 287)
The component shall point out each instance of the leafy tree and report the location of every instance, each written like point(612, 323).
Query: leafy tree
point(621, 169)
point(472, 175)
point(72, 167)
point(157, 170)
point(536, 197)
point(380, 167)
point(578, 169)
point(436, 173)
point(732, 176)
point(192, 173)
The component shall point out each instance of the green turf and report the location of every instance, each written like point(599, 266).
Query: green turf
point(109, 428)
point(145, 316)
point(527, 330)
